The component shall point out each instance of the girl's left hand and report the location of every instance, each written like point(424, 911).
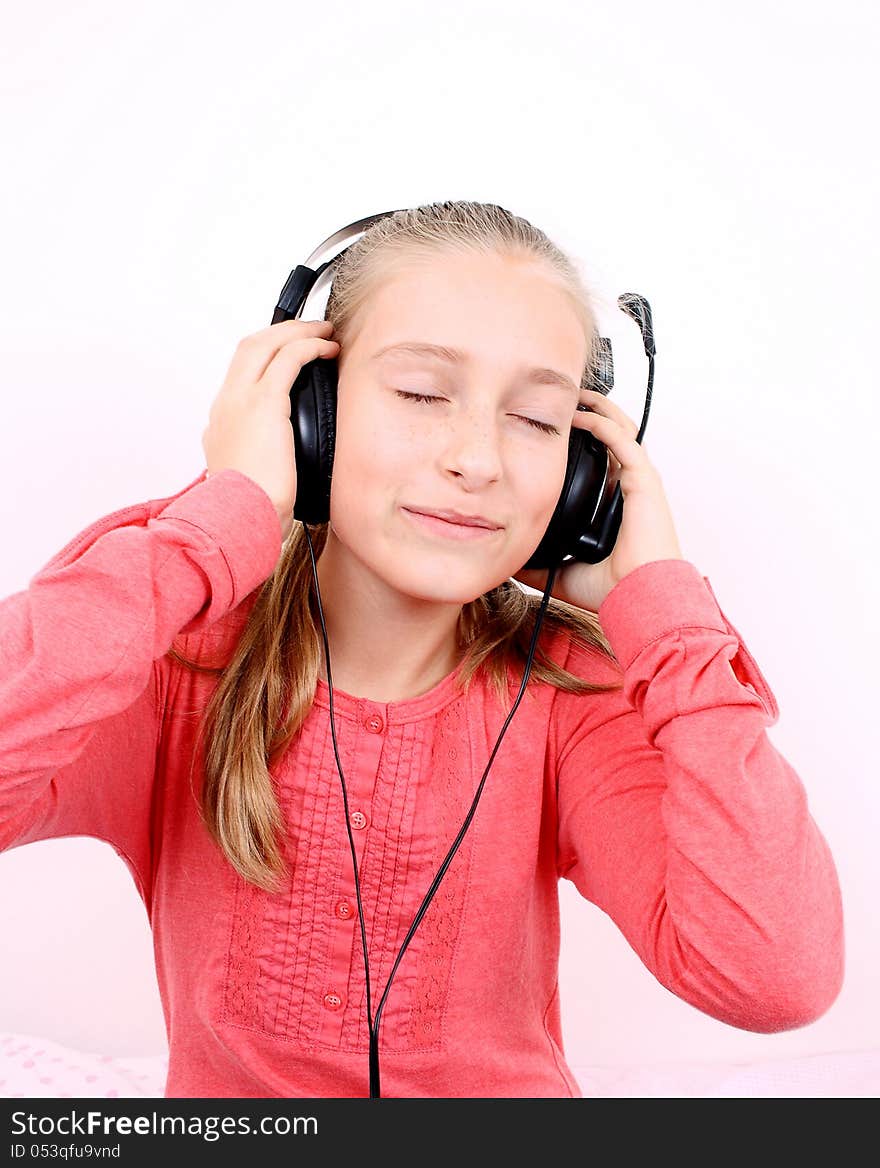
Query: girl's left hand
point(647, 531)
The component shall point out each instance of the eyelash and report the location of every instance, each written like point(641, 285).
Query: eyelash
point(544, 427)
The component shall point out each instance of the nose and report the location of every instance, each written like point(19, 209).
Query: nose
point(472, 450)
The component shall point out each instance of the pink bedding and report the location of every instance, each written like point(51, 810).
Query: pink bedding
point(33, 1067)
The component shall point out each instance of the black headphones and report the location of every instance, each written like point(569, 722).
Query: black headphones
point(584, 524)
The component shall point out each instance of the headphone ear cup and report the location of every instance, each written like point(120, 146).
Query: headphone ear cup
point(585, 476)
point(313, 418)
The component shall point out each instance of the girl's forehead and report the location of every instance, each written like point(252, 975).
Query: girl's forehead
point(427, 308)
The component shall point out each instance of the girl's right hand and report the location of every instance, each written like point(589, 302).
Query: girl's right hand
point(249, 426)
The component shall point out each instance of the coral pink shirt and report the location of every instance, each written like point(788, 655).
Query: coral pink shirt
point(665, 804)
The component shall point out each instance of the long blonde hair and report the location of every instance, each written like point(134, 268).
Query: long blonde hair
point(267, 687)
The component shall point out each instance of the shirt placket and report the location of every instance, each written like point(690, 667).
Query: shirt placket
point(360, 783)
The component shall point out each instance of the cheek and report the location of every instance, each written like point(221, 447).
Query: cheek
point(371, 463)
point(542, 484)
point(371, 451)
point(554, 484)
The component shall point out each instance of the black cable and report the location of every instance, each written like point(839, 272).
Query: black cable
point(357, 883)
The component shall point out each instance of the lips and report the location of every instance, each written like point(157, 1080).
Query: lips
point(457, 518)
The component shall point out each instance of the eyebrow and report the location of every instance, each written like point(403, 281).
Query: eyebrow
point(538, 374)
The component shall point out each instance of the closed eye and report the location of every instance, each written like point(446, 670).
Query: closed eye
point(544, 427)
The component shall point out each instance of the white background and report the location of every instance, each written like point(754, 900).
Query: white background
point(167, 165)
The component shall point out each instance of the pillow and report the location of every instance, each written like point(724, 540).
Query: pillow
point(37, 1068)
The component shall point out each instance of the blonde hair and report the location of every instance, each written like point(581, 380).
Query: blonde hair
point(266, 689)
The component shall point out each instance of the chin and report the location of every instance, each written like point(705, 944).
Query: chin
point(458, 588)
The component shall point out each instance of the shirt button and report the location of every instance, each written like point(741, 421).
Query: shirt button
point(374, 724)
point(358, 820)
point(332, 1001)
point(344, 909)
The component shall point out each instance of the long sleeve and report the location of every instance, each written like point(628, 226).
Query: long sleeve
point(679, 818)
point(81, 649)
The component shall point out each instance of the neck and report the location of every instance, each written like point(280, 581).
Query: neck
point(384, 645)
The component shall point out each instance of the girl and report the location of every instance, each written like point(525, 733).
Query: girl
point(166, 690)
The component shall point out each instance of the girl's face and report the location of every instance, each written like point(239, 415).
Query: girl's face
point(491, 442)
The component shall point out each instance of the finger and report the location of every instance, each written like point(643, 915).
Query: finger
point(256, 353)
point(286, 364)
point(601, 404)
point(271, 339)
point(621, 446)
point(272, 330)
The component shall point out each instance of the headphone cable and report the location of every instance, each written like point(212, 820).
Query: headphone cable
point(375, 1092)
